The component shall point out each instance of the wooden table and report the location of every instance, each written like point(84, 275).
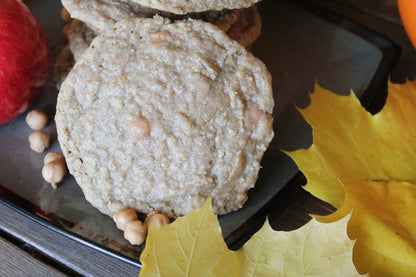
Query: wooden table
point(28, 248)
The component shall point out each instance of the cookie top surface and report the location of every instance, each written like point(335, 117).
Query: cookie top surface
point(245, 30)
point(159, 116)
point(188, 6)
point(100, 15)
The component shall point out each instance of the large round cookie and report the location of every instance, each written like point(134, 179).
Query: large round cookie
point(159, 116)
point(100, 15)
point(189, 6)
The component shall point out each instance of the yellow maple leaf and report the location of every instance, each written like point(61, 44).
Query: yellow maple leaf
point(351, 145)
point(193, 246)
point(315, 249)
point(351, 148)
point(190, 246)
point(383, 223)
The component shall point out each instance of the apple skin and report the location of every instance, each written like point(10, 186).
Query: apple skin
point(24, 59)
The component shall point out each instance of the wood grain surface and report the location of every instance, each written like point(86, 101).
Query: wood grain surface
point(15, 262)
point(79, 257)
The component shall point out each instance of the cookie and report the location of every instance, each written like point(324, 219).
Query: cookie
point(247, 28)
point(62, 66)
point(100, 15)
point(79, 37)
point(159, 116)
point(189, 6)
point(245, 31)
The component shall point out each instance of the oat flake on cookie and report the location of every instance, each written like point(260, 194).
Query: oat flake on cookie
point(160, 116)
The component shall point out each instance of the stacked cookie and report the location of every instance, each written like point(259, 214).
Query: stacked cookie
point(92, 17)
point(161, 113)
point(240, 22)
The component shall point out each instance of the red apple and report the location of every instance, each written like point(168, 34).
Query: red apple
point(24, 59)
